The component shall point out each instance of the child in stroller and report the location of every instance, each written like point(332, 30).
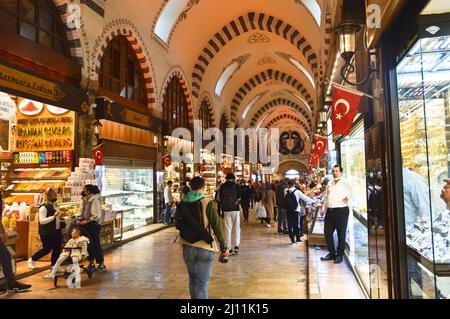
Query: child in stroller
point(76, 250)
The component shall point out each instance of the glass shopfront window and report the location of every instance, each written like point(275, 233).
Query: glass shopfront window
point(423, 78)
point(354, 164)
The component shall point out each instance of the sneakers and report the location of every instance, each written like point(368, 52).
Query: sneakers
point(18, 287)
point(31, 264)
point(293, 245)
point(101, 268)
point(91, 268)
point(234, 251)
point(268, 225)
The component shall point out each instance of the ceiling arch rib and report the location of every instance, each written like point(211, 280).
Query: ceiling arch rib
point(284, 117)
point(242, 25)
point(278, 102)
point(287, 111)
point(265, 76)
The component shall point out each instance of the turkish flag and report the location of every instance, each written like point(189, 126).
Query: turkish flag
point(314, 159)
point(97, 153)
point(167, 160)
point(320, 146)
point(345, 107)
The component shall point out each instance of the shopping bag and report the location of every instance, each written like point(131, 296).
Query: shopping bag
point(261, 211)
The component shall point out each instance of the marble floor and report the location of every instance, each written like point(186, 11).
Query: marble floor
point(152, 267)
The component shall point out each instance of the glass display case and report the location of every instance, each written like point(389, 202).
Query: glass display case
point(128, 191)
point(352, 151)
point(423, 79)
point(209, 174)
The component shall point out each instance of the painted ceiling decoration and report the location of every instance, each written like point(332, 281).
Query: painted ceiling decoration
point(291, 143)
point(298, 65)
point(172, 12)
point(263, 77)
point(228, 72)
point(242, 25)
point(297, 96)
point(266, 60)
point(281, 102)
point(258, 37)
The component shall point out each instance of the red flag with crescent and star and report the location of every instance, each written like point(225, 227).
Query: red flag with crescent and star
point(314, 159)
point(97, 153)
point(345, 108)
point(320, 146)
point(167, 160)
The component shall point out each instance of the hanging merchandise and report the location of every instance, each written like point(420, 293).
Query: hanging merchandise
point(320, 145)
point(345, 108)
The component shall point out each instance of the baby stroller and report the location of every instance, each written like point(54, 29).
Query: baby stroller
point(72, 274)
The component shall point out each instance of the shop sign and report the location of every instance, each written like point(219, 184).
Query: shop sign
point(7, 106)
point(23, 82)
point(45, 132)
point(121, 114)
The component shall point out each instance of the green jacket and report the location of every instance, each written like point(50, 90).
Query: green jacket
point(212, 212)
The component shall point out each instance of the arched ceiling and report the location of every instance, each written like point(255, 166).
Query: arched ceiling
point(266, 53)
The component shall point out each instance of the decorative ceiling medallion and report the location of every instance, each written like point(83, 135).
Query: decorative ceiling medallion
point(242, 59)
point(189, 6)
point(258, 38)
point(266, 60)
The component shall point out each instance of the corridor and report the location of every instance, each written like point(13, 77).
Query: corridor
point(152, 267)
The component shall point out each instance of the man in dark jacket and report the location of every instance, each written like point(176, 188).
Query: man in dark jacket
point(229, 197)
point(279, 194)
point(246, 199)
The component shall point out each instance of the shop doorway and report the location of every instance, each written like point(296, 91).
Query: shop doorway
point(292, 174)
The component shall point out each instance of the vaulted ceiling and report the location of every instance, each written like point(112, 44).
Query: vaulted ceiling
point(267, 54)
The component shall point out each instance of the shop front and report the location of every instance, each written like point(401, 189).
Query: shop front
point(40, 108)
point(419, 86)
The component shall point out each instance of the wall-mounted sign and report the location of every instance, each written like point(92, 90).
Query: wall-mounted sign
point(29, 107)
point(45, 132)
point(23, 82)
point(7, 106)
point(121, 114)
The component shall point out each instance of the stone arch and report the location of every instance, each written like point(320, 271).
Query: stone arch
point(73, 34)
point(289, 117)
point(178, 73)
point(264, 77)
point(297, 165)
point(242, 25)
point(207, 97)
point(278, 102)
point(127, 29)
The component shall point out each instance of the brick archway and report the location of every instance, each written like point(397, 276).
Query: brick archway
point(206, 97)
point(182, 80)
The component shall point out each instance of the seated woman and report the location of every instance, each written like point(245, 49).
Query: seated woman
point(76, 249)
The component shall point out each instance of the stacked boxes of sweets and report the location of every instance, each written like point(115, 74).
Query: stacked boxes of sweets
point(83, 175)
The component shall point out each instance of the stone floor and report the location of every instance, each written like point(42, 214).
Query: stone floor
point(152, 267)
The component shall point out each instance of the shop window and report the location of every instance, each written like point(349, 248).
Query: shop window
point(36, 20)
point(175, 108)
point(121, 72)
point(423, 78)
point(353, 160)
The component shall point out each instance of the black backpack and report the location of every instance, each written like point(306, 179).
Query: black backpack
point(189, 221)
point(290, 201)
point(229, 195)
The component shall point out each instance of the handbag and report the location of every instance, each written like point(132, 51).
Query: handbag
point(261, 211)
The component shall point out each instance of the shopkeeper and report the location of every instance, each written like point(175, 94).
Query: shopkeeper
point(49, 230)
point(89, 219)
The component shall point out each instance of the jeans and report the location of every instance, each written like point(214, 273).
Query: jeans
point(50, 243)
point(167, 213)
point(232, 220)
point(293, 221)
point(198, 262)
point(95, 250)
point(336, 219)
point(282, 220)
point(5, 260)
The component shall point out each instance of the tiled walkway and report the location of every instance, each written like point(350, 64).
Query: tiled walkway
point(152, 267)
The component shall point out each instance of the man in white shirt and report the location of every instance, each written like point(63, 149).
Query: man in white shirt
point(337, 195)
point(168, 202)
point(293, 214)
